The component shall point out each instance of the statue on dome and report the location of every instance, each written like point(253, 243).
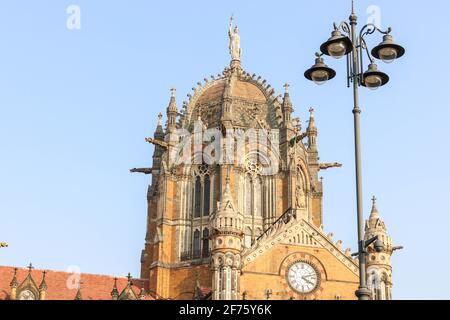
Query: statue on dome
point(235, 42)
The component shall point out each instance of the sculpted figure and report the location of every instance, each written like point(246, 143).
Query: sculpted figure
point(235, 42)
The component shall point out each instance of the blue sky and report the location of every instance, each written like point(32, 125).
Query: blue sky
point(75, 106)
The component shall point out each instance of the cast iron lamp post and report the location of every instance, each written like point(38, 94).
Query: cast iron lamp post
point(344, 41)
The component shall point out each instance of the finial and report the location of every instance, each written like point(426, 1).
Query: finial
point(78, 295)
point(286, 87)
point(115, 292)
point(374, 214)
point(14, 283)
point(353, 6)
point(43, 285)
point(30, 267)
point(311, 111)
point(173, 91)
point(160, 119)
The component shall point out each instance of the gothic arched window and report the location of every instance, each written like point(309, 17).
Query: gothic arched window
point(257, 197)
point(253, 189)
point(198, 197)
point(205, 243)
point(202, 191)
point(207, 196)
point(196, 244)
point(248, 195)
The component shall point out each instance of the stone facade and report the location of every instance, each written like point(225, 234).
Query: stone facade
point(229, 226)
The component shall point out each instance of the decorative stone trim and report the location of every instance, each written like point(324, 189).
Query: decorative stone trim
point(284, 232)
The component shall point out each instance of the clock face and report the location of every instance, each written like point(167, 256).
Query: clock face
point(303, 277)
point(27, 295)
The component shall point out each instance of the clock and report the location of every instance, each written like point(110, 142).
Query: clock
point(303, 277)
point(26, 295)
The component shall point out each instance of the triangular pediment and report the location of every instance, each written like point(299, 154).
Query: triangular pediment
point(28, 290)
point(229, 206)
point(302, 233)
point(128, 294)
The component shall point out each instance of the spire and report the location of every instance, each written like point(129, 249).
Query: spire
point(287, 107)
point(43, 285)
point(374, 224)
point(115, 292)
point(227, 203)
point(374, 213)
point(312, 131)
point(172, 111)
point(312, 120)
point(78, 295)
point(159, 132)
point(14, 283)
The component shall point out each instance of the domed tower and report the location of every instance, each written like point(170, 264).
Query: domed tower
point(379, 268)
point(233, 141)
point(227, 236)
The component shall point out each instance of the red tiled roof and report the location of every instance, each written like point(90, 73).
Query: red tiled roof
point(61, 285)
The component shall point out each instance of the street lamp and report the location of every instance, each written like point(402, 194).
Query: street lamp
point(320, 72)
point(344, 41)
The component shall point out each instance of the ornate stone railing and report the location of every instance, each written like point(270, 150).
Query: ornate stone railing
point(284, 219)
point(195, 255)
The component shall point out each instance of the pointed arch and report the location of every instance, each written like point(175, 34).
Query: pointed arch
point(207, 196)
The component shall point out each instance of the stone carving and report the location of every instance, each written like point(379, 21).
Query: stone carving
point(326, 166)
point(300, 197)
point(142, 170)
point(235, 42)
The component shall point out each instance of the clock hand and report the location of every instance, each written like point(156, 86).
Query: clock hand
point(304, 278)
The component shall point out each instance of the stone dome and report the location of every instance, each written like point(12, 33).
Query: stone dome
point(253, 101)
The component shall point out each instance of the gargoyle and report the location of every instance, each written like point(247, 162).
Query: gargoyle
point(326, 166)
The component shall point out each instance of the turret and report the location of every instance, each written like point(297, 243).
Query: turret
point(43, 287)
point(227, 240)
point(13, 285)
point(287, 108)
point(172, 112)
point(287, 132)
point(379, 269)
point(312, 135)
point(158, 135)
